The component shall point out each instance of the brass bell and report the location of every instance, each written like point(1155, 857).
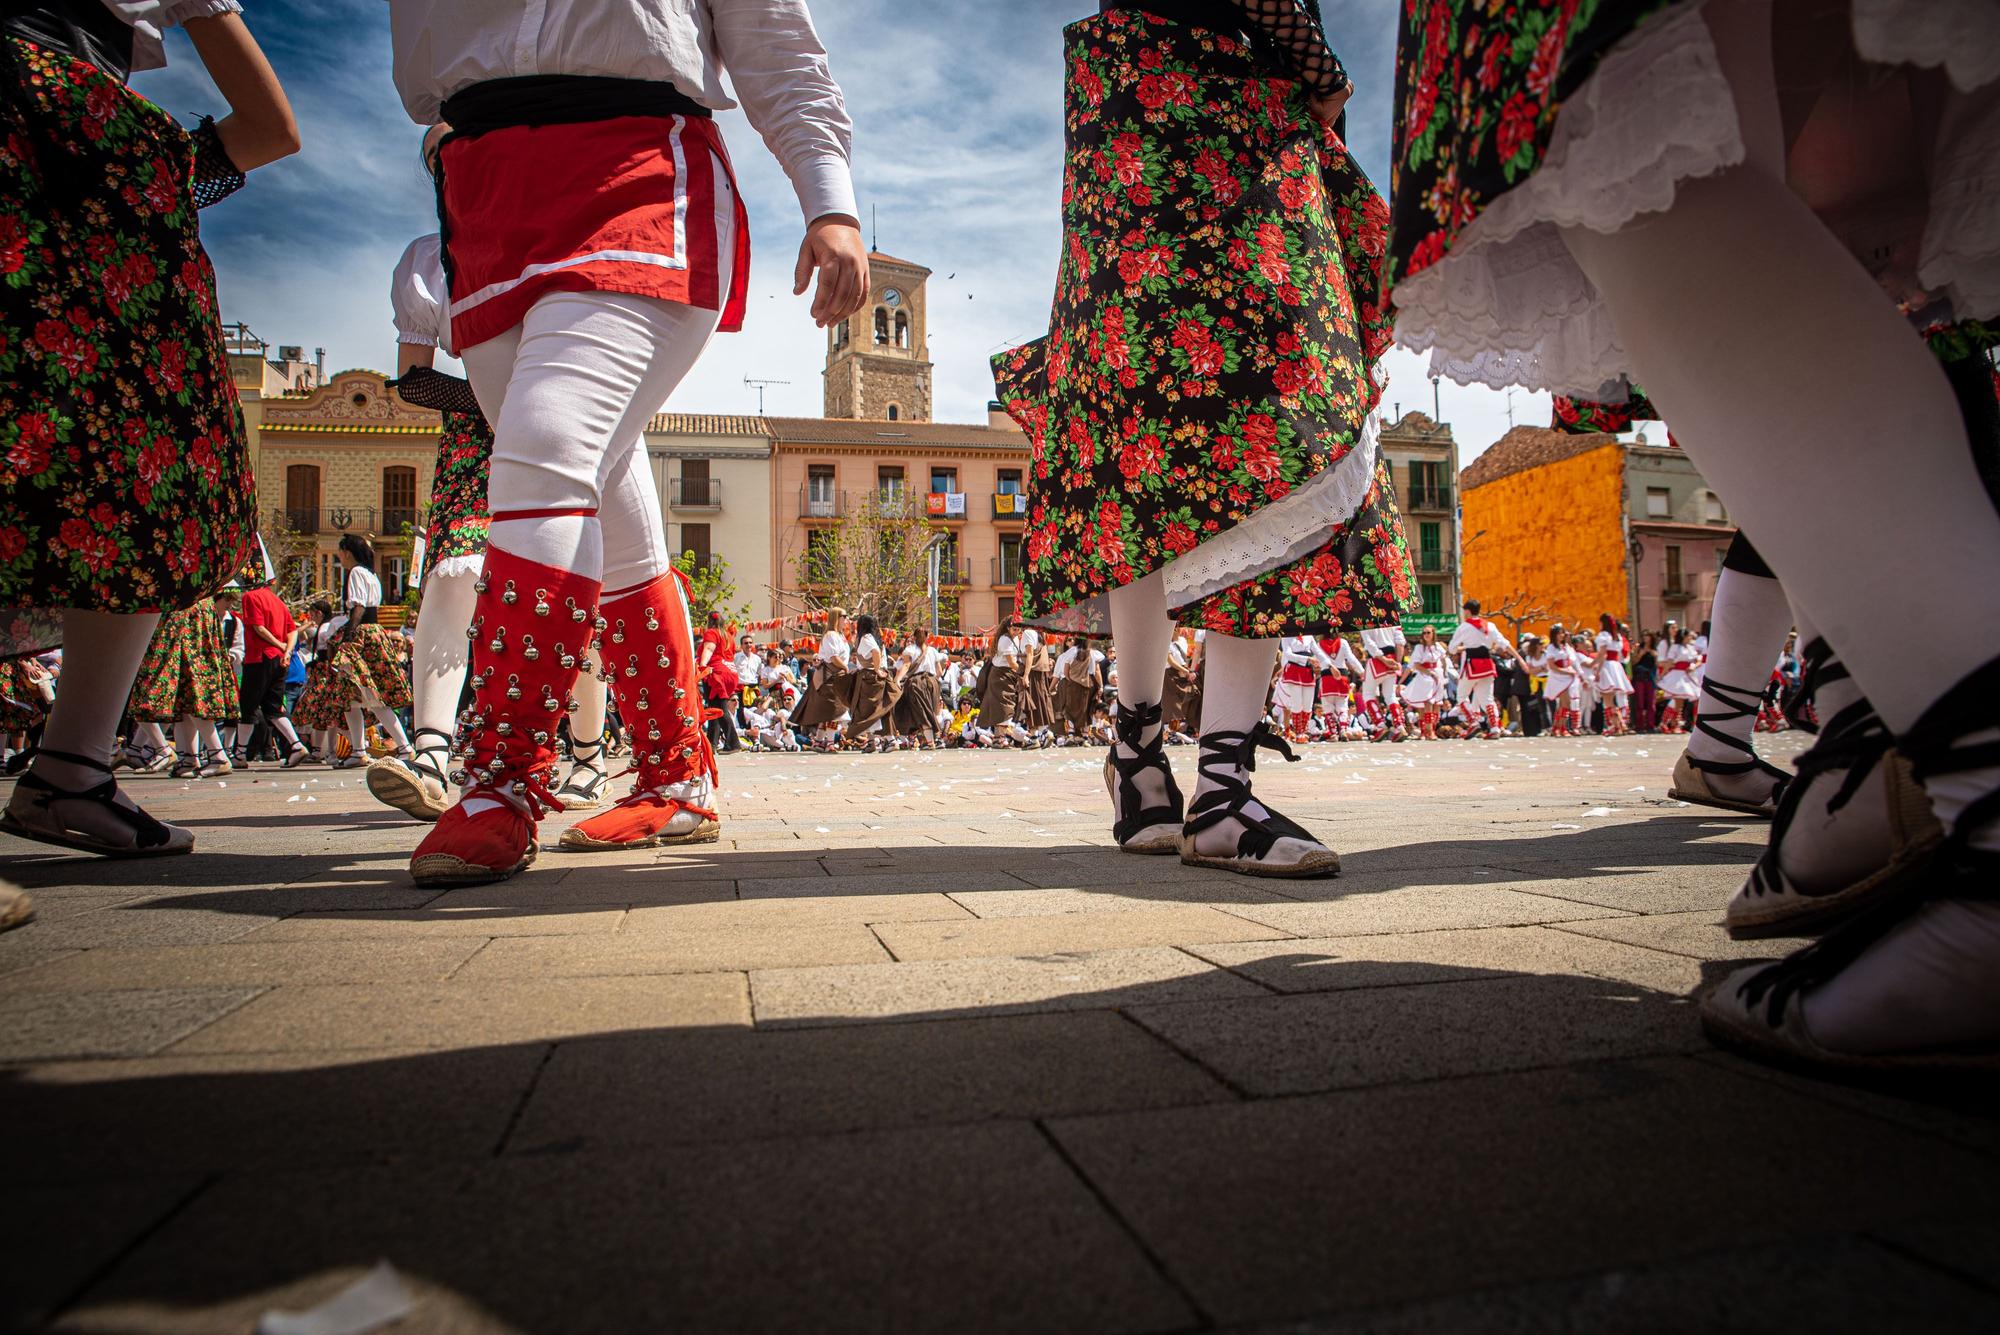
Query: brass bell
point(680, 693)
point(652, 757)
point(652, 620)
point(513, 688)
point(632, 666)
point(663, 657)
point(653, 732)
point(472, 631)
point(508, 596)
point(528, 649)
point(618, 636)
point(541, 738)
point(479, 585)
point(642, 702)
point(459, 778)
point(569, 661)
point(574, 704)
point(600, 625)
point(576, 613)
point(498, 644)
point(542, 607)
point(504, 728)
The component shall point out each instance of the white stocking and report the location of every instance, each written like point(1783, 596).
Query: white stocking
point(1141, 632)
point(1238, 674)
point(440, 653)
point(1746, 631)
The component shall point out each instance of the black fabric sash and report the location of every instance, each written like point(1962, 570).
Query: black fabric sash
point(1479, 653)
point(562, 99)
point(84, 30)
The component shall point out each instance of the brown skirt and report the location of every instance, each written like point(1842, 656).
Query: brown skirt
point(1038, 698)
point(874, 694)
point(1073, 700)
point(829, 699)
point(916, 713)
point(1002, 698)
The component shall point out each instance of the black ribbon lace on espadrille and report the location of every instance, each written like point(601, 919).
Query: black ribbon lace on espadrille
point(1133, 721)
point(1226, 758)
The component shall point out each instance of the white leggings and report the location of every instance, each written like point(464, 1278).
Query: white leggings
point(569, 391)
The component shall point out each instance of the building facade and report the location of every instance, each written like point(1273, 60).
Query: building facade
point(713, 472)
point(345, 456)
point(1423, 458)
point(1567, 527)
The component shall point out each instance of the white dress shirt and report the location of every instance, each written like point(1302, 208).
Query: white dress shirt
point(833, 648)
point(768, 48)
point(1005, 651)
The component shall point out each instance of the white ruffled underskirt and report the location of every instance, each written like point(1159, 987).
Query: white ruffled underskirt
point(469, 564)
point(1509, 306)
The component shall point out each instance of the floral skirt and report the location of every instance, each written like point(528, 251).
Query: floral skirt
point(1514, 122)
point(370, 661)
point(455, 537)
point(21, 702)
point(1203, 404)
point(186, 672)
point(125, 481)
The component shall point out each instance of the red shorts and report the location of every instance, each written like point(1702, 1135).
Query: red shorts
point(1297, 674)
point(619, 205)
point(1479, 669)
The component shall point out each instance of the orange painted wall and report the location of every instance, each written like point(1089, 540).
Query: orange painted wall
point(1554, 534)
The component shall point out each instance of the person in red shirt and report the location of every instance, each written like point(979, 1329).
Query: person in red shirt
point(268, 635)
point(719, 683)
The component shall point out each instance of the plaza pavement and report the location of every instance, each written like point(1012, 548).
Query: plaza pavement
point(914, 1049)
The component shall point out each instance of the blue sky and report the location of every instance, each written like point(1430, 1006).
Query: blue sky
point(958, 139)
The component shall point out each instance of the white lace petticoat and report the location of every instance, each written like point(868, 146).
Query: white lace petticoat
point(1509, 306)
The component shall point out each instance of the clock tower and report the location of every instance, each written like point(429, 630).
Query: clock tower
point(878, 362)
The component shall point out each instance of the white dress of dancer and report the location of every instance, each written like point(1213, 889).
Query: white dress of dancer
point(1425, 687)
point(1378, 646)
point(1677, 672)
point(1566, 672)
point(1612, 683)
point(1479, 640)
point(1300, 661)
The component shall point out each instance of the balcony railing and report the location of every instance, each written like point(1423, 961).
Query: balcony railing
point(1676, 589)
point(1006, 570)
point(705, 561)
point(1010, 505)
point(957, 574)
point(696, 494)
point(890, 502)
point(815, 503)
point(1433, 562)
point(1428, 499)
point(344, 519)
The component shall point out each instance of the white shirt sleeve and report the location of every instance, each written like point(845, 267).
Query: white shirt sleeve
point(782, 79)
point(417, 296)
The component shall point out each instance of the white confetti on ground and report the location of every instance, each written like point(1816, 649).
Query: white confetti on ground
point(1600, 811)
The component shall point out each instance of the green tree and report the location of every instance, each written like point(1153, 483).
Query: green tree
point(713, 590)
point(874, 559)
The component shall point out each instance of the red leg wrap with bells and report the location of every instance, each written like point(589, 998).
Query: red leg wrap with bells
point(530, 628)
point(647, 648)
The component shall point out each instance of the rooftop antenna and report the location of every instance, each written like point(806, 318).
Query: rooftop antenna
point(874, 229)
point(759, 385)
point(1510, 410)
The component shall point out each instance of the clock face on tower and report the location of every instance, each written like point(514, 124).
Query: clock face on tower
point(892, 298)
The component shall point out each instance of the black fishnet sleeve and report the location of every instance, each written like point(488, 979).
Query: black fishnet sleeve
point(215, 177)
point(1299, 42)
point(426, 388)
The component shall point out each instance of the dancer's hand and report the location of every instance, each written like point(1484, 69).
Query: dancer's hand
point(1326, 110)
point(833, 246)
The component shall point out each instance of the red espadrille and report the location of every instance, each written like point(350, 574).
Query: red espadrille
point(649, 661)
point(530, 628)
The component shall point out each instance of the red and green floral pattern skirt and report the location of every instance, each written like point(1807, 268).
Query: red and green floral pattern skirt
point(1212, 346)
point(125, 483)
point(456, 531)
point(186, 672)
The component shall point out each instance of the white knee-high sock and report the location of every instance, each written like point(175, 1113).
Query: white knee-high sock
point(1141, 631)
point(149, 734)
point(357, 730)
point(101, 654)
point(1747, 630)
point(186, 738)
point(440, 652)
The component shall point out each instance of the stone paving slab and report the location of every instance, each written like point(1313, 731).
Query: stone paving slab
point(1358, 1200)
point(1826, 1285)
point(250, 963)
point(915, 1230)
point(828, 906)
point(55, 1238)
point(1420, 908)
point(706, 1086)
point(651, 952)
point(1698, 935)
point(41, 1026)
point(1114, 897)
point(1179, 926)
point(1339, 963)
point(86, 1121)
point(1082, 980)
point(1300, 1044)
point(417, 923)
point(321, 1019)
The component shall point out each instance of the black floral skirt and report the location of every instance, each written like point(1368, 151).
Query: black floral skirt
point(1202, 404)
point(186, 672)
point(125, 481)
point(455, 535)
